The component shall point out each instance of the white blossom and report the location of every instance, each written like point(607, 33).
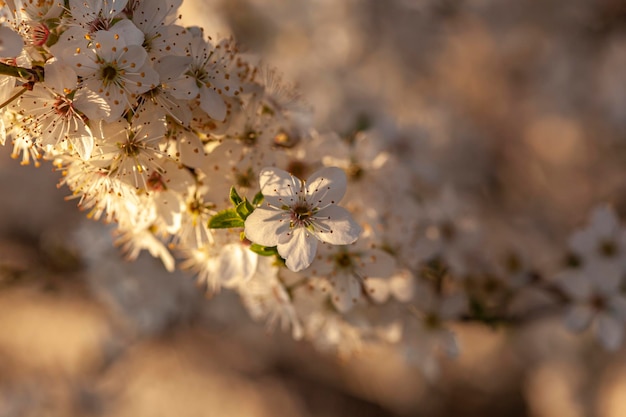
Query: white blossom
point(296, 214)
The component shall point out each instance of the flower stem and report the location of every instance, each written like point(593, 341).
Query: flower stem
point(34, 74)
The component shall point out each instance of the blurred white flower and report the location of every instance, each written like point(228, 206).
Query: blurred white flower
point(602, 243)
point(595, 297)
point(350, 273)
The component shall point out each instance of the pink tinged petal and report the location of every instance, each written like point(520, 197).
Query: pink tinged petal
point(346, 291)
point(578, 317)
point(610, 331)
point(236, 265)
point(336, 226)
point(298, 249)
point(212, 103)
point(11, 43)
point(326, 186)
point(264, 226)
point(279, 187)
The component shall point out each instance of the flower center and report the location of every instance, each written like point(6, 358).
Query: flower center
point(108, 74)
point(355, 171)
point(284, 139)
point(201, 75)
point(99, 23)
point(131, 147)
point(155, 182)
point(343, 260)
point(301, 215)
point(249, 137)
point(63, 107)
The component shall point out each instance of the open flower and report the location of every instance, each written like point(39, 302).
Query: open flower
point(297, 214)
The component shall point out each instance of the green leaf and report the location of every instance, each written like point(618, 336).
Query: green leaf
point(258, 199)
point(244, 209)
point(234, 197)
point(263, 250)
point(226, 219)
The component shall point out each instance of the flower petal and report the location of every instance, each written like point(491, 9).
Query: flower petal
point(375, 263)
point(346, 291)
point(377, 289)
point(264, 226)
point(11, 43)
point(402, 285)
point(279, 187)
point(236, 265)
point(60, 77)
point(298, 250)
point(336, 226)
point(326, 186)
point(212, 103)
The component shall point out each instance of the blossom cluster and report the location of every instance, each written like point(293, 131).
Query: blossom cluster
point(204, 157)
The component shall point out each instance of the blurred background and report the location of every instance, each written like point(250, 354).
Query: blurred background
point(519, 104)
